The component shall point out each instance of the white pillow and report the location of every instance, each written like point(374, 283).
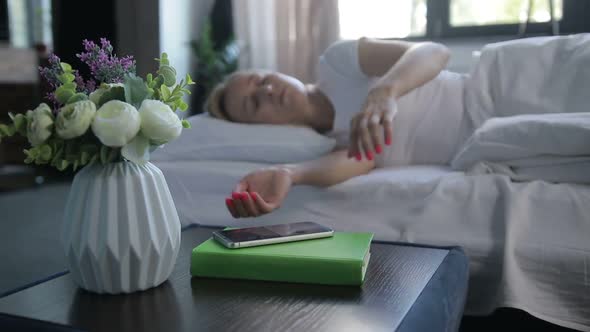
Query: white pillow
point(214, 139)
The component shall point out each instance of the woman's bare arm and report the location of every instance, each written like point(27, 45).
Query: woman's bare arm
point(264, 190)
point(402, 66)
point(328, 170)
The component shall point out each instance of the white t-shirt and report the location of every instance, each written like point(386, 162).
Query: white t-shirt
point(427, 127)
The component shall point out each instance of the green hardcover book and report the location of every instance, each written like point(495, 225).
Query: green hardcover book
point(338, 260)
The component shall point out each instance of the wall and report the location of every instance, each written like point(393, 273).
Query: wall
point(138, 32)
point(180, 22)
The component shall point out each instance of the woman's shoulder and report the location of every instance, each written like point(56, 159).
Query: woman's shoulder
point(342, 58)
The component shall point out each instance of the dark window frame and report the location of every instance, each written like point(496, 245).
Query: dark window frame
point(438, 22)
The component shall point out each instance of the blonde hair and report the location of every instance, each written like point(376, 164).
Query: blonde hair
point(214, 104)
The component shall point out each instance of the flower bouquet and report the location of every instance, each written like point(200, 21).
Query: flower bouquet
point(121, 231)
point(113, 115)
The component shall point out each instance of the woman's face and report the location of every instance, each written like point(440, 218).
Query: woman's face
point(265, 97)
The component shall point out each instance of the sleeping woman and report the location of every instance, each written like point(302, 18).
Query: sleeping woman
point(387, 103)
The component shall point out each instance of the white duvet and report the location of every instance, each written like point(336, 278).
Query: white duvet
point(528, 243)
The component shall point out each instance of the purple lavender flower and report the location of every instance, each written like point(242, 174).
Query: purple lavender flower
point(105, 66)
point(51, 72)
point(83, 86)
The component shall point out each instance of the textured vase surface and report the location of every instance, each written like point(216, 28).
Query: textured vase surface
point(121, 231)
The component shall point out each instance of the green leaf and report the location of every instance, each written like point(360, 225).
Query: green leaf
point(165, 92)
point(183, 106)
point(93, 159)
point(77, 97)
point(114, 93)
point(30, 156)
point(137, 151)
point(6, 130)
point(70, 86)
point(176, 90)
point(136, 91)
point(65, 66)
point(59, 152)
point(84, 158)
point(113, 154)
point(186, 124)
point(61, 165)
point(104, 154)
point(174, 98)
point(168, 74)
point(89, 148)
point(63, 94)
point(20, 123)
point(66, 78)
point(163, 59)
point(188, 79)
point(44, 155)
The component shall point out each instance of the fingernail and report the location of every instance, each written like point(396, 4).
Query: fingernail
point(359, 157)
point(236, 195)
point(229, 203)
point(245, 196)
point(254, 195)
point(388, 141)
point(369, 155)
point(378, 148)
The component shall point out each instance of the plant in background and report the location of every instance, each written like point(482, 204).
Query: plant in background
point(124, 118)
point(215, 60)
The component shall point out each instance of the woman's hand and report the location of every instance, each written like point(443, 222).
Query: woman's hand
point(373, 124)
point(260, 192)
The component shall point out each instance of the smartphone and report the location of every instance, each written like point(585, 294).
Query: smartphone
point(263, 235)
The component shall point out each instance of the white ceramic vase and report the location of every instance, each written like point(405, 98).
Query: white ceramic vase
point(121, 231)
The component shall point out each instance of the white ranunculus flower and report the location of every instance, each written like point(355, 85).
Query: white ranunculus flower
point(116, 123)
point(96, 94)
point(74, 119)
point(39, 124)
point(158, 122)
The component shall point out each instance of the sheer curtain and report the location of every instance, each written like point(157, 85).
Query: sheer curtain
point(285, 35)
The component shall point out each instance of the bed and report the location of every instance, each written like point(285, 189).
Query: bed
point(528, 242)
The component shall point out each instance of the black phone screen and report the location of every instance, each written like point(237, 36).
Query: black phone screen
point(273, 231)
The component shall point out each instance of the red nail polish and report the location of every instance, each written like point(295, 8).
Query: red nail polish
point(245, 196)
point(369, 155)
point(236, 195)
point(378, 148)
point(359, 157)
point(254, 195)
point(229, 203)
point(388, 140)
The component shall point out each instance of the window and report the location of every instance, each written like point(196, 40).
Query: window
point(382, 18)
point(455, 18)
point(466, 12)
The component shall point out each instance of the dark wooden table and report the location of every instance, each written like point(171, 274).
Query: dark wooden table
point(395, 277)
